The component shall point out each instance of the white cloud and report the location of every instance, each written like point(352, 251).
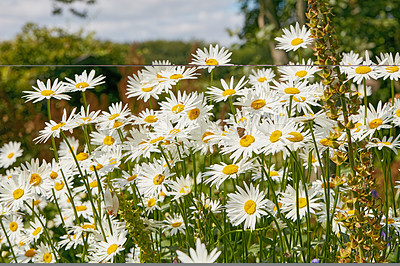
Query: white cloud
point(132, 20)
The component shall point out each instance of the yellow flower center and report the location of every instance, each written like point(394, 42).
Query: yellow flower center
point(279, 206)
point(131, 178)
point(296, 41)
point(81, 85)
point(13, 226)
point(57, 126)
point(151, 202)
point(82, 156)
point(111, 249)
point(156, 139)
point(81, 208)
point(46, 92)
point(302, 202)
point(93, 184)
point(194, 113)
point(363, 70)
point(302, 99)
point(351, 212)
point(174, 131)
point(390, 220)
point(184, 190)
point(301, 73)
point(10, 155)
point(158, 179)
point(230, 169)
point(108, 140)
point(211, 62)
point(275, 136)
point(262, 79)
point(273, 173)
point(117, 124)
point(176, 224)
point(242, 119)
point(178, 108)
point(30, 253)
point(228, 92)
point(98, 167)
point(35, 179)
point(147, 89)
point(375, 123)
point(89, 226)
point(392, 69)
point(398, 112)
point(246, 141)
point(151, 119)
point(358, 126)
point(37, 231)
point(113, 116)
point(206, 134)
point(18, 193)
point(292, 90)
point(325, 142)
point(257, 104)
point(176, 76)
point(53, 175)
point(47, 257)
point(59, 186)
point(250, 207)
point(296, 137)
point(384, 143)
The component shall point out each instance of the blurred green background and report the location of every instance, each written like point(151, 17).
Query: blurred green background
point(361, 25)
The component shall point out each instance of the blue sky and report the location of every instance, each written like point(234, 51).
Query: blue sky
point(132, 20)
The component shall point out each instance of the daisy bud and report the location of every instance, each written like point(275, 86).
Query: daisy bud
point(111, 202)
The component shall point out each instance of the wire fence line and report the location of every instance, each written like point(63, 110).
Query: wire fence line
point(192, 65)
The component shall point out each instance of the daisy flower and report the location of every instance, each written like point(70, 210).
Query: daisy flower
point(38, 176)
point(150, 204)
point(396, 112)
point(9, 153)
point(366, 71)
point(294, 38)
point(376, 119)
point(14, 191)
point(385, 142)
point(181, 187)
point(44, 254)
point(105, 139)
point(218, 173)
point(227, 91)
point(36, 229)
point(174, 223)
point(175, 107)
point(83, 82)
point(14, 227)
point(258, 103)
point(290, 203)
point(85, 117)
point(137, 88)
point(243, 143)
point(211, 57)
point(153, 178)
point(246, 206)
point(303, 70)
point(349, 59)
point(47, 91)
point(261, 77)
point(178, 73)
point(391, 71)
point(117, 116)
point(359, 90)
point(147, 117)
point(200, 255)
point(54, 129)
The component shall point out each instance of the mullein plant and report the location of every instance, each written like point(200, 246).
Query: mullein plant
point(285, 176)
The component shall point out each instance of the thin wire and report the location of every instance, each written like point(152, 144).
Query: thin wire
point(191, 65)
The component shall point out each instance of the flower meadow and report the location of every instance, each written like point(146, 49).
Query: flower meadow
point(289, 175)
